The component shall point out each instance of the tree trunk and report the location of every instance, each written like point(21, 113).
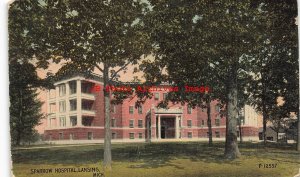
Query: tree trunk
point(240, 127)
point(240, 131)
point(298, 115)
point(286, 136)
point(264, 123)
point(231, 146)
point(107, 139)
point(210, 142)
point(19, 130)
point(264, 109)
point(298, 131)
point(18, 138)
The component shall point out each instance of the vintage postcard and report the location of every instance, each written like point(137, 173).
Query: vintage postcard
point(148, 88)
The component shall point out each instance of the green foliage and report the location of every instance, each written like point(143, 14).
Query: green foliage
point(236, 48)
point(276, 58)
point(198, 42)
point(90, 34)
point(28, 33)
point(204, 42)
point(275, 72)
point(25, 107)
point(26, 46)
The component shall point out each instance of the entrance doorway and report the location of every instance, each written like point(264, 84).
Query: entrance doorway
point(163, 132)
point(167, 128)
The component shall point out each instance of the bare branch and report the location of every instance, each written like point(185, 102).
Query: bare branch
point(100, 69)
point(123, 67)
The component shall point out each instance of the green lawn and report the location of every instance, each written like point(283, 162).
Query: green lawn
point(161, 159)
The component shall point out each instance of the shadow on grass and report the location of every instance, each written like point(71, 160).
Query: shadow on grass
point(149, 155)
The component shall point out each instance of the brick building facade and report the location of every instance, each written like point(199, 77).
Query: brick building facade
point(75, 113)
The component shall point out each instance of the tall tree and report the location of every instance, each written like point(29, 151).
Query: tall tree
point(25, 108)
point(91, 35)
point(194, 36)
point(24, 47)
point(276, 71)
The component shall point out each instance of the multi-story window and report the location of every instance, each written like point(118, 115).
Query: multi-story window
point(140, 110)
point(217, 122)
point(156, 96)
point(87, 121)
point(130, 109)
point(131, 123)
point(189, 123)
point(87, 104)
point(131, 135)
point(73, 105)
point(190, 135)
point(217, 134)
point(140, 123)
point(73, 121)
point(61, 136)
point(90, 135)
point(52, 122)
point(140, 135)
point(165, 95)
point(62, 90)
point(113, 122)
point(73, 87)
point(52, 93)
point(114, 135)
point(62, 121)
point(52, 108)
point(202, 122)
point(189, 109)
point(62, 106)
point(88, 87)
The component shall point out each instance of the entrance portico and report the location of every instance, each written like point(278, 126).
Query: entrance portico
point(168, 123)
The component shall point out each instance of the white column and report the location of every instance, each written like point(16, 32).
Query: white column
point(159, 127)
point(79, 111)
point(67, 105)
point(177, 127)
point(57, 105)
point(48, 108)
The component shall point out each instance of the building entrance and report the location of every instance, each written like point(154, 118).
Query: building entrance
point(167, 127)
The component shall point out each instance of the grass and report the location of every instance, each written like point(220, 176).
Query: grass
point(161, 159)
